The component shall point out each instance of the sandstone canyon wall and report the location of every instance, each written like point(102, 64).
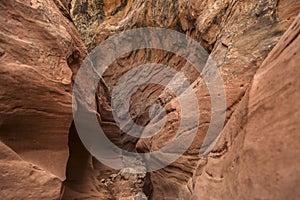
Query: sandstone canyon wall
point(40, 47)
point(260, 159)
point(256, 156)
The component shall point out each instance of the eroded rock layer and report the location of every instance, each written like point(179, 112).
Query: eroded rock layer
point(40, 49)
point(238, 35)
point(261, 140)
point(23, 180)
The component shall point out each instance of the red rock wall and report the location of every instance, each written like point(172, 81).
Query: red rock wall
point(41, 50)
point(24, 180)
point(261, 159)
point(40, 47)
point(238, 35)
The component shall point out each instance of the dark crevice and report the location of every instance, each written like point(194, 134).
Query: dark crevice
point(148, 187)
point(2, 53)
point(119, 8)
point(79, 165)
point(63, 9)
point(73, 62)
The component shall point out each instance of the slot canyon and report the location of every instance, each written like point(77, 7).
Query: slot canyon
point(254, 47)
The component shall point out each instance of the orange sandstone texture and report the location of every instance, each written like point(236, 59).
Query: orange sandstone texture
point(40, 48)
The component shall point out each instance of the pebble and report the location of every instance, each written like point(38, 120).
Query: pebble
point(113, 176)
point(140, 196)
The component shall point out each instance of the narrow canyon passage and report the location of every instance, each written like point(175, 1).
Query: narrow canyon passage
point(219, 33)
point(148, 98)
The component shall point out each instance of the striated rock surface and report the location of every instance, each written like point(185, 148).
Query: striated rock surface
point(260, 143)
point(237, 34)
point(40, 49)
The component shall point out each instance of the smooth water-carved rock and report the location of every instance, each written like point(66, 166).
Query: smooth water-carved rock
point(41, 47)
point(261, 160)
point(41, 51)
point(238, 35)
point(23, 180)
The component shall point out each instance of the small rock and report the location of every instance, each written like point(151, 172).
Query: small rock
point(133, 177)
point(113, 176)
point(108, 182)
point(140, 196)
point(118, 178)
point(141, 176)
point(102, 180)
point(126, 176)
point(127, 173)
